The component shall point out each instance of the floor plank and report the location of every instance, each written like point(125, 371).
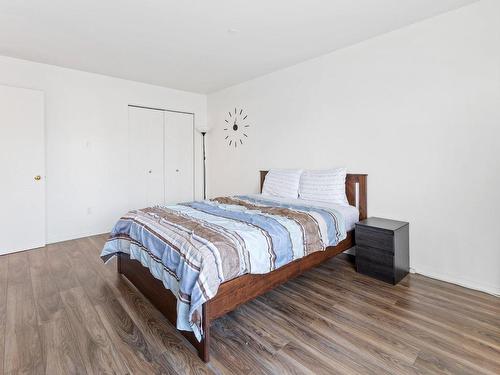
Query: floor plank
point(61, 352)
point(416, 331)
point(331, 319)
point(439, 320)
point(340, 356)
point(48, 301)
point(59, 256)
point(62, 311)
point(97, 350)
point(86, 271)
point(23, 348)
point(160, 332)
point(137, 352)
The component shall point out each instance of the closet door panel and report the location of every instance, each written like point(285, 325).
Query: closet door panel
point(179, 161)
point(146, 158)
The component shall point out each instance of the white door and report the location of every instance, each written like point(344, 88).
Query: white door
point(179, 158)
point(146, 182)
point(22, 166)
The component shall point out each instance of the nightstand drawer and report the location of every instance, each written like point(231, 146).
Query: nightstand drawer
point(379, 239)
point(374, 255)
point(383, 273)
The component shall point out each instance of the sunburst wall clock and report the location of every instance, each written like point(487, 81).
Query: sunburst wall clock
point(236, 126)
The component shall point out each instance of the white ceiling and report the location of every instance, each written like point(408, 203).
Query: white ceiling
point(185, 44)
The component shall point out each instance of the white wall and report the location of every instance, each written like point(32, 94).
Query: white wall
point(87, 140)
point(417, 109)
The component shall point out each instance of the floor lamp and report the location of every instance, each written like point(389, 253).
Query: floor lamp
point(203, 133)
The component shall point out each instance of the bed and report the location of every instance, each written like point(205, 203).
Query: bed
point(222, 277)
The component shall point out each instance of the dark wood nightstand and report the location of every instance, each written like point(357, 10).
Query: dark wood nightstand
point(382, 249)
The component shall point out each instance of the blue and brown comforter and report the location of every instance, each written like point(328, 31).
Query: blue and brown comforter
point(194, 247)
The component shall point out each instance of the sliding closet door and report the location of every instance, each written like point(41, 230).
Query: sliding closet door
point(146, 158)
point(179, 159)
point(22, 165)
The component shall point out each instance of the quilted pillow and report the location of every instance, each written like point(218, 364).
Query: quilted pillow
point(282, 183)
point(324, 186)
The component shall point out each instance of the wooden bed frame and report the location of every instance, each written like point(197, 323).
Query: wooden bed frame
point(242, 289)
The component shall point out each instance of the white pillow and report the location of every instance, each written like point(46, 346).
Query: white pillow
point(324, 186)
point(282, 183)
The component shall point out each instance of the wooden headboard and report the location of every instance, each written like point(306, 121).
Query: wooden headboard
point(355, 189)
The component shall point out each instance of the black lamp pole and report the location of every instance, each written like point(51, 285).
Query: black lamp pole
point(204, 168)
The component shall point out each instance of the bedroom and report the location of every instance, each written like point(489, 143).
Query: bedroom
point(103, 110)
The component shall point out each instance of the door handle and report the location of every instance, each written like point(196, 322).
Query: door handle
point(38, 178)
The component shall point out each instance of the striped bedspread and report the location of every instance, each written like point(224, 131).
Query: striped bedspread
point(194, 247)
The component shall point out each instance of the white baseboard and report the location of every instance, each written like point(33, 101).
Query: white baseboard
point(490, 289)
point(74, 236)
point(466, 283)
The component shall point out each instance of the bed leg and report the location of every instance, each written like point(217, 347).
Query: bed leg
point(203, 351)
point(204, 347)
point(119, 263)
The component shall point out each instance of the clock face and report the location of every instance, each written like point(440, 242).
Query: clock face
point(236, 126)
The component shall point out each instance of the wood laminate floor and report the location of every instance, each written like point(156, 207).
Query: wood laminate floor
point(62, 311)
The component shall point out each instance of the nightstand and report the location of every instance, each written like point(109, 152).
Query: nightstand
point(382, 249)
